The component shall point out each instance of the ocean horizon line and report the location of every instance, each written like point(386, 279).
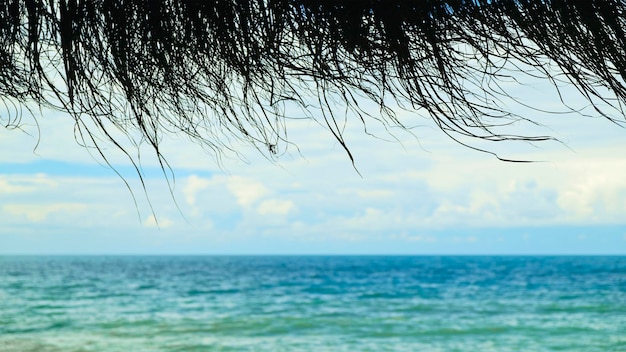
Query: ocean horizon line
point(312, 255)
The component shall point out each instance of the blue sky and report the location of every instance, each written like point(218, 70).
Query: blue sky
point(423, 194)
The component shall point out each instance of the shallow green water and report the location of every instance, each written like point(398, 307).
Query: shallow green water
point(312, 304)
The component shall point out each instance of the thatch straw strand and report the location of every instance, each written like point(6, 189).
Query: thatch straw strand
point(223, 69)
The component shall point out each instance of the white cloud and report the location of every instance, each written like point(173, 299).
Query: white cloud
point(161, 222)
point(24, 183)
point(246, 190)
point(193, 185)
point(7, 187)
point(276, 207)
point(369, 193)
point(41, 212)
point(595, 189)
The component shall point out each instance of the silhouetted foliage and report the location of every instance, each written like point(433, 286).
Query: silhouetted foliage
point(238, 68)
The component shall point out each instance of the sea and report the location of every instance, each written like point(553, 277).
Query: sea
point(312, 303)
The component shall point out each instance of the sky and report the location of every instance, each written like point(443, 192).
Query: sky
point(417, 193)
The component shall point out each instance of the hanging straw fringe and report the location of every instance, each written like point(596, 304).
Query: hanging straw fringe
point(224, 68)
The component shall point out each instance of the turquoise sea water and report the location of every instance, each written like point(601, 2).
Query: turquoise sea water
point(320, 303)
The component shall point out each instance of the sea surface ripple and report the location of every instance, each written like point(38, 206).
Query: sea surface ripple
point(312, 303)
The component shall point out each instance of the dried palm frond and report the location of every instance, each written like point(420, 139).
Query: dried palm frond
point(223, 68)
